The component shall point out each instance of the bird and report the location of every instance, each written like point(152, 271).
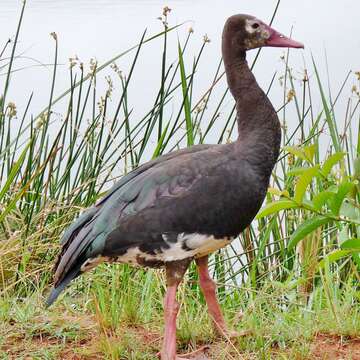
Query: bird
point(185, 205)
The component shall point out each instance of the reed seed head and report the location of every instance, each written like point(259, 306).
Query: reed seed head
point(206, 39)
point(54, 35)
point(12, 109)
point(290, 95)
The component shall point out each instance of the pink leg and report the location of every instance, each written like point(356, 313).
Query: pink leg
point(208, 288)
point(174, 274)
point(171, 308)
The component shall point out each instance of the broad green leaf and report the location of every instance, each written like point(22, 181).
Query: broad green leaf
point(308, 204)
point(274, 191)
point(334, 256)
point(296, 171)
point(356, 258)
point(344, 234)
point(303, 182)
point(330, 162)
point(297, 151)
point(309, 151)
point(278, 192)
point(322, 198)
point(333, 188)
point(353, 244)
point(275, 207)
point(307, 227)
point(349, 210)
point(337, 200)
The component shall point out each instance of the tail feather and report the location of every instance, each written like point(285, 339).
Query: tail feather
point(84, 218)
point(69, 256)
point(82, 240)
point(75, 241)
point(55, 292)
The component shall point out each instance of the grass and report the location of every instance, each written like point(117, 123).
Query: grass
point(83, 325)
point(292, 278)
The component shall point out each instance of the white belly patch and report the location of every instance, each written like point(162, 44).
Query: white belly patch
point(186, 246)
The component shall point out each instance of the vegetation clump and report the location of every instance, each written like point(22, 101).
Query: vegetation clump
point(291, 280)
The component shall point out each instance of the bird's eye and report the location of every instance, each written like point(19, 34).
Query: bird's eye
point(255, 26)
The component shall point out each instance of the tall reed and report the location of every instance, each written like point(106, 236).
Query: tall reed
point(52, 168)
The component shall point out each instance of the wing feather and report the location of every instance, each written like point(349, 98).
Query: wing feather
point(139, 189)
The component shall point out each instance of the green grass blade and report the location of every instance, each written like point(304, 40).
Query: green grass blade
point(329, 118)
point(187, 107)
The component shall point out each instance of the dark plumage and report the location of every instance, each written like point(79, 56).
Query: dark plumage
point(188, 203)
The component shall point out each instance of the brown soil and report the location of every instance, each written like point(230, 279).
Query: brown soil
point(323, 347)
point(335, 347)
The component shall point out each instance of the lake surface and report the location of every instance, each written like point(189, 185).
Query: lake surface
point(104, 28)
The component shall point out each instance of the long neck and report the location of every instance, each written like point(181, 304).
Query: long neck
point(259, 128)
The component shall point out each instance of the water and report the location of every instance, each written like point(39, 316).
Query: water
point(104, 28)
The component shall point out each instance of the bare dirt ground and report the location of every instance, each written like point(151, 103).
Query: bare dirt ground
point(322, 347)
point(331, 347)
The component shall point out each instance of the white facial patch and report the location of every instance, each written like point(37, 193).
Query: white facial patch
point(254, 25)
point(250, 26)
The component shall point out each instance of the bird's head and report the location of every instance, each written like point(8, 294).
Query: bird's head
point(244, 32)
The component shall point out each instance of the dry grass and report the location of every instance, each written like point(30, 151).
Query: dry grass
point(76, 328)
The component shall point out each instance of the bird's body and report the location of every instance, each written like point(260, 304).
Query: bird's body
point(183, 206)
point(186, 204)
